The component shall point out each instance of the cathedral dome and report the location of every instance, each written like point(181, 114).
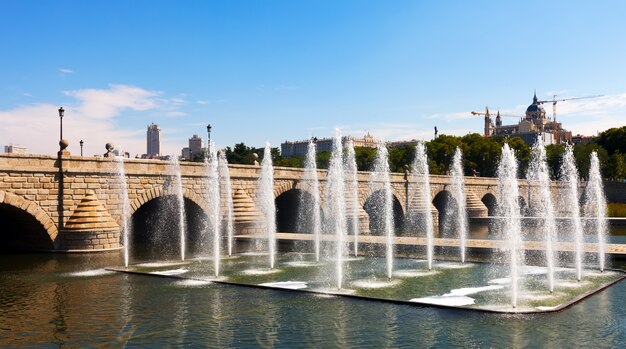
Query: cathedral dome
point(535, 110)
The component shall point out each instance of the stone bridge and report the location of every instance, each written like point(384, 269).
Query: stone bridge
point(73, 203)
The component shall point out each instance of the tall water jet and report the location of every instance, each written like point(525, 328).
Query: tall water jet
point(510, 220)
point(310, 209)
point(350, 170)
point(265, 201)
point(336, 215)
point(421, 177)
point(539, 177)
point(213, 209)
point(571, 206)
point(379, 180)
point(595, 207)
point(126, 224)
point(226, 191)
point(178, 188)
point(458, 192)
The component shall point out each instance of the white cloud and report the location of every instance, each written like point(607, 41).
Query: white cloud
point(105, 103)
point(94, 117)
point(175, 114)
point(65, 71)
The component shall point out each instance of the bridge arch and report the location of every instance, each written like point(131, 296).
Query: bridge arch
point(289, 209)
point(448, 209)
point(373, 207)
point(490, 201)
point(160, 191)
point(17, 212)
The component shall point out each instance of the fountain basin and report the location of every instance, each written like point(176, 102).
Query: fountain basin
point(474, 286)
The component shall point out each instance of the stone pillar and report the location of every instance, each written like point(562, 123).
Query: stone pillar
point(475, 207)
point(90, 228)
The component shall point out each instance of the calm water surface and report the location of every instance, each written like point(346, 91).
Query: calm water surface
point(49, 301)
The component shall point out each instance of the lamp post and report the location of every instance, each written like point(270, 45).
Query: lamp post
point(81, 147)
point(208, 145)
point(61, 112)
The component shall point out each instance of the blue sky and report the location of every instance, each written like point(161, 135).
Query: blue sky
point(276, 70)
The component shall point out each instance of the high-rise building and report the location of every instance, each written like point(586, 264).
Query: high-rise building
point(154, 140)
point(195, 148)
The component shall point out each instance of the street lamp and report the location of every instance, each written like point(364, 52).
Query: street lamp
point(61, 112)
point(208, 146)
point(81, 147)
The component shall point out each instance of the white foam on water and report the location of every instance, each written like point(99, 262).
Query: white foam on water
point(159, 264)
point(93, 272)
point(170, 272)
point(414, 273)
point(454, 301)
point(375, 283)
point(260, 271)
point(254, 254)
point(598, 273)
point(449, 265)
point(502, 281)
point(303, 264)
point(292, 285)
point(544, 308)
point(192, 283)
point(466, 291)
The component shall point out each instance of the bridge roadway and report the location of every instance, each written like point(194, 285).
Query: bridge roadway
point(614, 249)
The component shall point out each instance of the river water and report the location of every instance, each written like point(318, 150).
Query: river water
point(49, 300)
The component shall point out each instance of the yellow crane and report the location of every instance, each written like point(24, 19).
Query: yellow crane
point(554, 102)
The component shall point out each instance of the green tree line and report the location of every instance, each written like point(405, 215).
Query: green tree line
point(480, 155)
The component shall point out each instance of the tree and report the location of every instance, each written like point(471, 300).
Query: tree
point(365, 158)
point(400, 156)
point(613, 140)
point(618, 166)
point(582, 153)
point(554, 154)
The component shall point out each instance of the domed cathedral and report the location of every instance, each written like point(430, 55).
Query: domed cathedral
point(534, 124)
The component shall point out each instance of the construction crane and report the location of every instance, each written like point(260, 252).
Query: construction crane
point(488, 123)
point(554, 101)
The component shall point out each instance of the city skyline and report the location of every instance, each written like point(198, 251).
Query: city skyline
point(281, 70)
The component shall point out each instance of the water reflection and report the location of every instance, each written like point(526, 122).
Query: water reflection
point(43, 304)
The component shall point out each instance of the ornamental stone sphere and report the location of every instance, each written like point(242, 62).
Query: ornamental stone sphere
point(109, 146)
point(63, 144)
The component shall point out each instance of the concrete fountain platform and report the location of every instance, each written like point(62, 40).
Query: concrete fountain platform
point(444, 293)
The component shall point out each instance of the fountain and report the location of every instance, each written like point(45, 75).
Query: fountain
point(310, 210)
point(265, 201)
point(510, 223)
point(570, 204)
point(213, 209)
point(178, 188)
point(380, 178)
point(336, 205)
point(126, 224)
point(458, 192)
point(350, 170)
point(420, 175)
point(539, 177)
point(595, 208)
point(509, 287)
point(226, 192)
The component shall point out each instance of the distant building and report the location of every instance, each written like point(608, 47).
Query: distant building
point(14, 149)
point(195, 148)
point(153, 140)
point(299, 148)
point(534, 124)
point(582, 139)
